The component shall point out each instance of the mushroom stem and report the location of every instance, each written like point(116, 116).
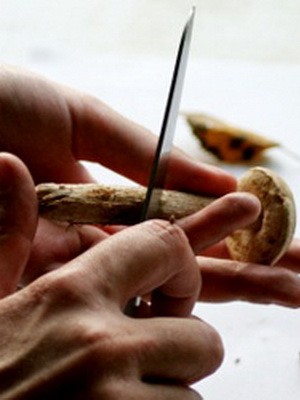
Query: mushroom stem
point(107, 205)
point(263, 242)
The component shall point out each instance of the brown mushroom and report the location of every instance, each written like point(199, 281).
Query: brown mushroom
point(267, 239)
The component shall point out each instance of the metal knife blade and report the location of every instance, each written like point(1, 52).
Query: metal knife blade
point(165, 140)
point(164, 146)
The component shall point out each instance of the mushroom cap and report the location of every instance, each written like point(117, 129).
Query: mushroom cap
point(267, 239)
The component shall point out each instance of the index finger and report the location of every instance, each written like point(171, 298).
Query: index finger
point(291, 259)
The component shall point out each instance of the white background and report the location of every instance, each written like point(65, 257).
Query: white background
point(244, 67)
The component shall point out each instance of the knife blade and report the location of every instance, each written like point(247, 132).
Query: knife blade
point(165, 140)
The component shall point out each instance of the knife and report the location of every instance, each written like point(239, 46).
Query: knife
point(90, 204)
point(165, 140)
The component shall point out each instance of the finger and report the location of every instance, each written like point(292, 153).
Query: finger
point(182, 351)
point(140, 390)
point(70, 170)
point(216, 221)
point(226, 280)
point(160, 391)
point(102, 135)
point(291, 258)
point(36, 126)
point(86, 129)
point(56, 244)
point(18, 219)
point(218, 250)
point(112, 229)
point(137, 260)
point(187, 175)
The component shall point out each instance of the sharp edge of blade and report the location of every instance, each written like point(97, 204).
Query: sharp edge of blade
point(176, 87)
point(183, 48)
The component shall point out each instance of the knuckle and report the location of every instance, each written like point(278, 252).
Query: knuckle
point(80, 323)
point(210, 353)
point(61, 289)
point(215, 350)
point(170, 236)
point(193, 395)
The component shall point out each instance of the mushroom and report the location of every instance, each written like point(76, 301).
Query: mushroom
point(267, 239)
point(262, 242)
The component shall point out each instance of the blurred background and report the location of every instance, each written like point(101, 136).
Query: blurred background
point(256, 30)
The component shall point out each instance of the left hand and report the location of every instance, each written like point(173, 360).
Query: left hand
point(51, 128)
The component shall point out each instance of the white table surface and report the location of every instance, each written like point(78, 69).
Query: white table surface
point(262, 342)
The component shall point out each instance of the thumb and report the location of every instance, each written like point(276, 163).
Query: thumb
point(18, 220)
point(213, 223)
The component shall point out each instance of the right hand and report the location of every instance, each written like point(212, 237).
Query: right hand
point(65, 335)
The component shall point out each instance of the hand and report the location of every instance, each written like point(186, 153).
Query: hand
point(66, 335)
point(51, 127)
point(227, 280)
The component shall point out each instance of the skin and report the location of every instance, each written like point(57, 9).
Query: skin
point(71, 320)
point(227, 280)
point(65, 332)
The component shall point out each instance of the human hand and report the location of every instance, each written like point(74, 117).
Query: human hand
point(65, 334)
point(51, 127)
